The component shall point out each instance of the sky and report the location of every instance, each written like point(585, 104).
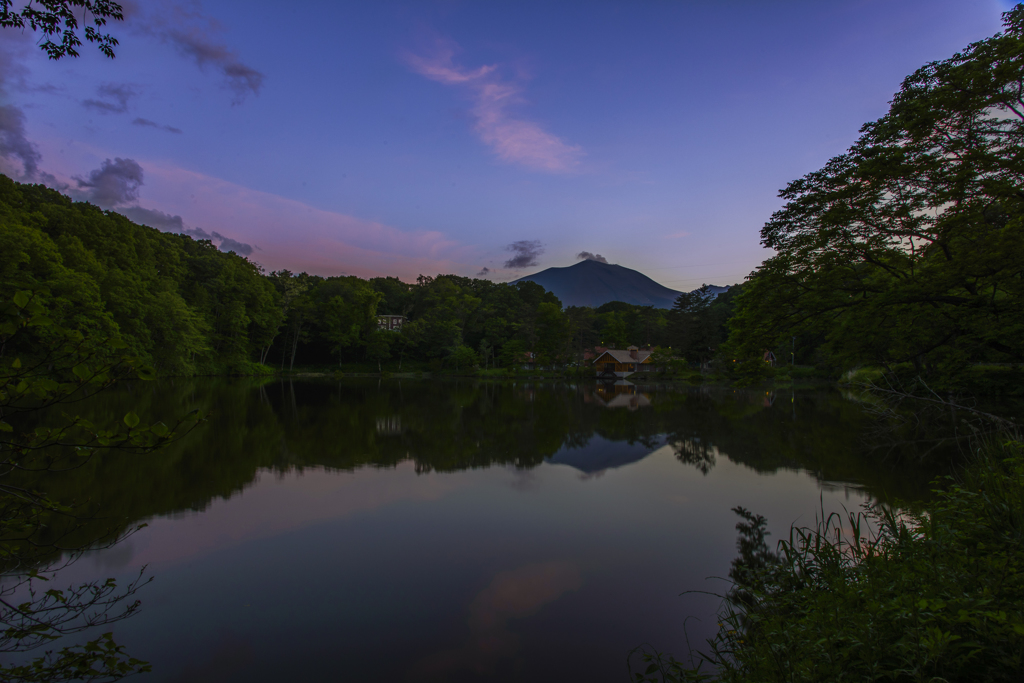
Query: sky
point(485, 139)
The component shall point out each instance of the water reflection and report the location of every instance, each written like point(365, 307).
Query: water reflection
point(455, 530)
point(285, 426)
point(510, 595)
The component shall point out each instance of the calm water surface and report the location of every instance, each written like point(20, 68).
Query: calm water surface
point(421, 530)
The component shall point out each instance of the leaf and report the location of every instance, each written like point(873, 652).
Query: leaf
point(16, 364)
point(131, 419)
point(160, 429)
point(4, 427)
point(22, 298)
point(81, 371)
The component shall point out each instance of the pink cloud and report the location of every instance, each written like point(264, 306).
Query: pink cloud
point(296, 236)
point(513, 139)
point(285, 233)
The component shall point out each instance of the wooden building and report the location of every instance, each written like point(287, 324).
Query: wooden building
point(619, 363)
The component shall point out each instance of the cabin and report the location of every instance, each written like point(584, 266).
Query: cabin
point(621, 363)
point(391, 323)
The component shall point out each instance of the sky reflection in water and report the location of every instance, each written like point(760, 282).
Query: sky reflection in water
point(360, 534)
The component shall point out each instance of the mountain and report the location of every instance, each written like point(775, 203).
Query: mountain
point(592, 283)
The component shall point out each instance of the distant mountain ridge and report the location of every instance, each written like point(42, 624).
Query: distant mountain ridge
point(592, 283)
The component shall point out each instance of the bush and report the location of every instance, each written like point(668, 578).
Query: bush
point(930, 596)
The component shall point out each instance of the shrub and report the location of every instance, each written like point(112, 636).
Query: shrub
point(929, 596)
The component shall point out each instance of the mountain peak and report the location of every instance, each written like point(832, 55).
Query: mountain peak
point(592, 283)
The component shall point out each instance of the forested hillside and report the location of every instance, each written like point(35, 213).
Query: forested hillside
point(188, 309)
point(179, 303)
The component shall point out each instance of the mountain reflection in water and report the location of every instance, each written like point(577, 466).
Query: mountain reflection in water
point(430, 530)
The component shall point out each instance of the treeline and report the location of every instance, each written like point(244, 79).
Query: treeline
point(907, 252)
point(187, 308)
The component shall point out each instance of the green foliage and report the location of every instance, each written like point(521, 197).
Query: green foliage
point(60, 18)
point(462, 358)
point(934, 595)
point(187, 309)
point(180, 305)
point(52, 365)
point(697, 323)
point(908, 248)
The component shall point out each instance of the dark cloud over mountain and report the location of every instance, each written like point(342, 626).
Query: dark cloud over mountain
point(154, 219)
point(524, 253)
point(113, 183)
point(226, 243)
point(587, 256)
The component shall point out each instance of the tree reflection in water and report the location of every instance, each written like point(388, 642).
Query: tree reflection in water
point(446, 426)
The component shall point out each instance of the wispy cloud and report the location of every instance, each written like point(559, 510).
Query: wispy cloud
point(114, 98)
point(587, 256)
point(194, 35)
point(153, 124)
point(513, 139)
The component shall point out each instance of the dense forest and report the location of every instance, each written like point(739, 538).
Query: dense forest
point(188, 309)
point(908, 249)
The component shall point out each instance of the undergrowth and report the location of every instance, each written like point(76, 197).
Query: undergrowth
point(931, 596)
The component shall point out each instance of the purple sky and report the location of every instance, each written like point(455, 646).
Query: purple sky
point(393, 138)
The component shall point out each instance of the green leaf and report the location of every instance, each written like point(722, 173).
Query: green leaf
point(16, 364)
point(160, 429)
point(4, 427)
point(131, 419)
point(81, 371)
point(22, 298)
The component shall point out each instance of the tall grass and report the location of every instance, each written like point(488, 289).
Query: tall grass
point(932, 596)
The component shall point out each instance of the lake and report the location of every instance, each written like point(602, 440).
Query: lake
point(418, 530)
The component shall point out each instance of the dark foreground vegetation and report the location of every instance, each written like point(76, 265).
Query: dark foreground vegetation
point(935, 595)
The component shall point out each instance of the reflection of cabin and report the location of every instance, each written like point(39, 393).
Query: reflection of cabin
point(390, 322)
point(621, 394)
point(619, 363)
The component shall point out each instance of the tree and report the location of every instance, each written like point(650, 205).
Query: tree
point(909, 248)
point(347, 312)
point(553, 334)
point(462, 357)
point(613, 329)
point(58, 366)
point(378, 346)
point(57, 17)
